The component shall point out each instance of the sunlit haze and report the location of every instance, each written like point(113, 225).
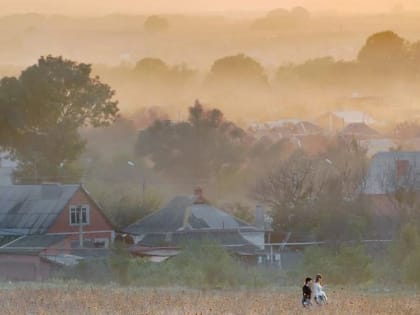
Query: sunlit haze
point(210, 157)
point(95, 7)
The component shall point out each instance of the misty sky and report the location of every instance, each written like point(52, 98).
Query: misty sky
point(90, 7)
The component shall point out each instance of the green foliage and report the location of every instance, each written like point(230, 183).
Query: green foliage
point(196, 149)
point(350, 265)
point(237, 69)
point(405, 254)
point(322, 72)
point(28, 172)
point(154, 72)
point(384, 50)
point(57, 90)
point(93, 271)
point(156, 24)
point(11, 111)
point(383, 53)
point(214, 265)
point(124, 202)
point(353, 265)
point(200, 265)
point(411, 267)
point(282, 19)
point(44, 108)
point(119, 262)
point(151, 66)
point(340, 220)
point(318, 195)
point(400, 263)
point(129, 209)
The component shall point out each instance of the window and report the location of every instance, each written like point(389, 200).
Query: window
point(77, 212)
point(101, 243)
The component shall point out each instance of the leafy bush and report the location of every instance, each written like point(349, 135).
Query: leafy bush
point(95, 271)
point(200, 265)
point(349, 264)
point(405, 255)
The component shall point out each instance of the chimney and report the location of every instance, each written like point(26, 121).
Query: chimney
point(259, 218)
point(50, 191)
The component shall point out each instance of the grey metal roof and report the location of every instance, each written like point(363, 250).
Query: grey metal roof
point(359, 129)
point(31, 244)
point(5, 239)
point(32, 209)
point(182, 214)
point(382, 175)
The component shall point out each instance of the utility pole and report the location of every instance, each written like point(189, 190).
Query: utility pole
point(143, 186)
point(143, 183)
point(79, 211)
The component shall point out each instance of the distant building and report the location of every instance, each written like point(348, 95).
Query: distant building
point(285, 128)
point(390, 171)
point(187, 218)
point(389, 174)
point(41, 227)
point(359, 131)
point(336, 121)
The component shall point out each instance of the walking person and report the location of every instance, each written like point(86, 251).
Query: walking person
point(319, 295)
point(307, 293)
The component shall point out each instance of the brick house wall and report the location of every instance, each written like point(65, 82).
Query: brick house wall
point(23, 267)
point(99, 226)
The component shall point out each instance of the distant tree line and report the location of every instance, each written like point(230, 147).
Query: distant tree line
point(383, 53)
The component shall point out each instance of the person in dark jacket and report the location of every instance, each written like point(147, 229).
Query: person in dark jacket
point(307, 293)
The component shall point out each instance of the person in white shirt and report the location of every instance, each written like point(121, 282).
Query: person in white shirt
point(319, 294)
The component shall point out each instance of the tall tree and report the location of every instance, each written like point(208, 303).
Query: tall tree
point(46, 105)
point(11, 111)
point(156, 24)
point(238, 69)
point(318, 195)
point(194, 149)
point(385, 51)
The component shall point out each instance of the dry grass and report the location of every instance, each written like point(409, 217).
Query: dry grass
point(112, 300)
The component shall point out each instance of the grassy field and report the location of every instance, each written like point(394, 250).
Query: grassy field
point(73, 299)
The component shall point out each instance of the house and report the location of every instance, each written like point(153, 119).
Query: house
point(285, 128)
point(359, 131)
point(390, 171)
point(43, 225)
point(391, 177)
point(337, 120)
point(189, 218)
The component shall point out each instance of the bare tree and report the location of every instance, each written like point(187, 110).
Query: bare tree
point(317, 194)
point(290, 189)
point(291, 183)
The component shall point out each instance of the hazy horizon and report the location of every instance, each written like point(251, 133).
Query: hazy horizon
point(96, 7)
